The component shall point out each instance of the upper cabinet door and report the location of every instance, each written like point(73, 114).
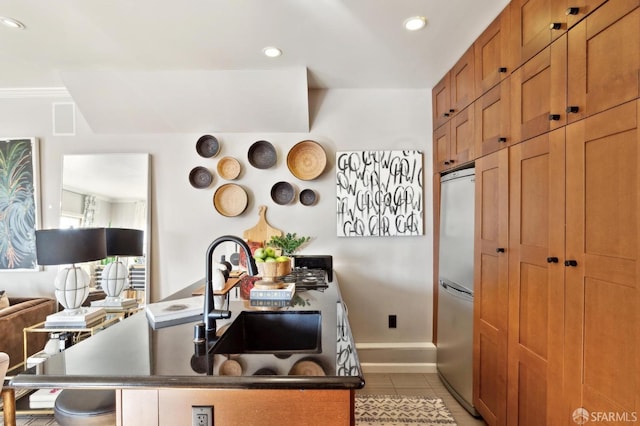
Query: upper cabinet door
point(604, 59)
point(462, 132)
point(492, 120)
point(491, 51)
point(538, 93)
point(535, 24)
point(463, 82)
point(441, 102)
point(441, 148)
point(578, 9)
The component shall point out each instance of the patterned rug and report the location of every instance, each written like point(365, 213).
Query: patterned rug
point(396, 410)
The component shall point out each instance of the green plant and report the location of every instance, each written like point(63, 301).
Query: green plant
point(289, 243)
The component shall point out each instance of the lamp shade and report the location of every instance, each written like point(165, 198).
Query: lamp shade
point(124, 242)
point(68, 246)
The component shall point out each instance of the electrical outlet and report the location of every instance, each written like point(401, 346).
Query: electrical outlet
point(392, 321)
point(202, 415)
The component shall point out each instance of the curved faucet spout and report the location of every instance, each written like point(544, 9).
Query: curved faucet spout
point(210, 315)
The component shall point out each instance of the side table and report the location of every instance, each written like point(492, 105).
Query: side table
point(79, 331)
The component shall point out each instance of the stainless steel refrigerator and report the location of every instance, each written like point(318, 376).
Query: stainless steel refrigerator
point(455, 295)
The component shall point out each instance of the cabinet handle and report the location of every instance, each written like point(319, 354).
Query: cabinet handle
point(552, 260)
point(502, 139)
point(573, 11)
point(446, 114)
point(452, 111)
point(446, 163)
point(555, 26)
point(500, 250)
point(554, 117)
point(502, 69)
point(570, 263)
point(573, 109)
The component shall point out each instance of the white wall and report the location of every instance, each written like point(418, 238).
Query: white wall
point(378, 276)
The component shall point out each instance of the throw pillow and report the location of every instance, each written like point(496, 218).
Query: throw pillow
point(4, 300)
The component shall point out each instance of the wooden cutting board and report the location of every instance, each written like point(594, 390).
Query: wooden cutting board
point(262, 232)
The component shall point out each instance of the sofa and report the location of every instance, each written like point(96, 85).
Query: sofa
point(21, 313)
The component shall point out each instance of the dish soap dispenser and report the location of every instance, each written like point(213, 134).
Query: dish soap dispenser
point(218, 282)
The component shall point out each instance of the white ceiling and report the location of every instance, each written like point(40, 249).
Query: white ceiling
point(341, 43)
point(169, 66)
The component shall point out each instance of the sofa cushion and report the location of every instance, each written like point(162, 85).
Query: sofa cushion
point(4, 300)
point(22, 313)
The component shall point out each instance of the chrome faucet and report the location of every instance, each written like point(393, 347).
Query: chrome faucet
point(210, 314)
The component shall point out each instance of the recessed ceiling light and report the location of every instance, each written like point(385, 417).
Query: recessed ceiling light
point(12, 23)
point(272, 52)
point(415, 23)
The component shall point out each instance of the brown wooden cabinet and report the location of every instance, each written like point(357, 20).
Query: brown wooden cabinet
point(535, 24)
point(492, 130)
point(441, 102)
point(538, 93)
point(578, 9)
point(453, 141)
point(462, 83)
point(266, 407)
point(602, 335)
point(604, 59)
point(491, 54)
point(491, 287)
point(536, 280)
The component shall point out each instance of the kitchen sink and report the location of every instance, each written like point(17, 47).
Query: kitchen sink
point(272, 332)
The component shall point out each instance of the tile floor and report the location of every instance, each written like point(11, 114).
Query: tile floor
point(415, 384)
point(376, 383)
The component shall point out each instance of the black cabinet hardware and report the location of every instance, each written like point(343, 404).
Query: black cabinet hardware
point(573, 10)
point(554, 117)
point(502, 139)
point(570, 263)
point(500, 250)
point(552, 260)
point(502, 69)
point(573, 109)
point(555, 26)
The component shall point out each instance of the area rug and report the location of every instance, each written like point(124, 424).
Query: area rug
point(396, 410)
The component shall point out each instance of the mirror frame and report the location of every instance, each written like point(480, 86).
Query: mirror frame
point(144, 157)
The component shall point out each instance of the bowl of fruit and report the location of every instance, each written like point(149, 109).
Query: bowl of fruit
point(271, 264)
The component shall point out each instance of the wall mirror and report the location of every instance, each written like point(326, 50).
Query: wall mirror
point(109, 190)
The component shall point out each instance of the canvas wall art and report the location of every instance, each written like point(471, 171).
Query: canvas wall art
point(19, 198)
point(379, 193)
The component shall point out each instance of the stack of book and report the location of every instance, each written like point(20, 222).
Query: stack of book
point(43, 398)
point(86, 318)
point(172, 312)
point(277, 297)
point(115, 304)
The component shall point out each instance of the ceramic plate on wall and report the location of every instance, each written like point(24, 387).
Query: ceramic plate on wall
point(306, 160)
point(230, 200)
point(200, 177)
point(207, 146)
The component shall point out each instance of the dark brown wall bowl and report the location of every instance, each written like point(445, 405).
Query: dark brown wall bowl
point(282, 193)
point(262, 155)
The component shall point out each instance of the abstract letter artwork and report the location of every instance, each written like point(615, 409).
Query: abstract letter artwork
point(379, 193)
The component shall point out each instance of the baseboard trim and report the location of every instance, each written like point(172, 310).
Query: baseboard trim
point(390, 345)
point(371, 367)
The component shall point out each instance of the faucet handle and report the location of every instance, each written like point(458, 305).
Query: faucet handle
point(219, 314)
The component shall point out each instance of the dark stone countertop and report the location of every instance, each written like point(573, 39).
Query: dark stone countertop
point(131, 354)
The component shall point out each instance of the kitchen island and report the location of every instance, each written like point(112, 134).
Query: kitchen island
point(158, 374)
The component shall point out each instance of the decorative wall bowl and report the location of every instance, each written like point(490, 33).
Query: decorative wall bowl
point(230, 200)
point(200, 177)
point(229, 168)
point(308, 197)
point(262, 155)
point(207, 146)
point(282, 193)
point(306, 160)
